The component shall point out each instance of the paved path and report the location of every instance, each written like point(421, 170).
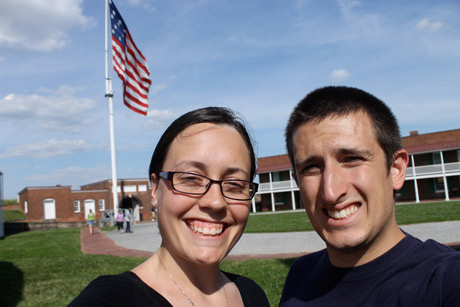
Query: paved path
point(146, 240)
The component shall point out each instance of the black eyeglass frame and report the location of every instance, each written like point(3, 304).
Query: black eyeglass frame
point(169, 176)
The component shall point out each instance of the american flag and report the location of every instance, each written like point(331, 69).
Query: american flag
point(130, 64)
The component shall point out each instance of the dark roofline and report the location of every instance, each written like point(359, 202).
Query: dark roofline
point(46, 187)
point(118, 180)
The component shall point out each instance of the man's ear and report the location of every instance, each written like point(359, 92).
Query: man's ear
point(398, 168)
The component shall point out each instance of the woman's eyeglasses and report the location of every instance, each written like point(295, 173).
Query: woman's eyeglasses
point(195, 184)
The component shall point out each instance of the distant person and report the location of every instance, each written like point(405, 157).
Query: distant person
point(91, 221)
point(201, 173)
point(345, 147)
point(127, 221)
point(120, 219)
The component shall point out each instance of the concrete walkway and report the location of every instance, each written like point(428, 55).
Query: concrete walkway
point(145, 240)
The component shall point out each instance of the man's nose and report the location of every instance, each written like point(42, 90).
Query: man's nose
point(334, 183)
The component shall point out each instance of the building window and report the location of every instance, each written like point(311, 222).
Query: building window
point(279, 199)
point(129, 188)
point(101, 204)
point(436, 158)
point(26, 207)
point(142, 187)
point(76, 206)
point(276, 176)
point(438, 185)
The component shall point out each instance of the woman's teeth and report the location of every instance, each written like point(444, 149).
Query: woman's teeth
point(207, 230)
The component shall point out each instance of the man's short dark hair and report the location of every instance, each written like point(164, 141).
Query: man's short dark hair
point(341, 101)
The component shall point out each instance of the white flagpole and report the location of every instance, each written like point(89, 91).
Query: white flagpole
point(109, 94)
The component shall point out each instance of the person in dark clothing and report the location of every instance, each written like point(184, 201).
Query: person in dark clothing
point(201, 174)
point(345, 147)
point(127, 221)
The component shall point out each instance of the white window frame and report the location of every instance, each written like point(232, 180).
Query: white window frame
point(129, 188)
point(142, 188)
point(437, 157)
point(101, 204)
point(76, 206)
point(276, 176)
point(279, 199)
point(438, 185)
point(26, 207)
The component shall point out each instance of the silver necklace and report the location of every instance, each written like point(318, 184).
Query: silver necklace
point(182, 291)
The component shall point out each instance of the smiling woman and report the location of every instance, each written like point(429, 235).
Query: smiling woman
point(201, 174)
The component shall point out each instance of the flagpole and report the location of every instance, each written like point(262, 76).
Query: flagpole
point(109, 95)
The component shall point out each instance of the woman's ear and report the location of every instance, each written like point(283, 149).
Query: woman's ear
point(398, 168)
point(154, 182)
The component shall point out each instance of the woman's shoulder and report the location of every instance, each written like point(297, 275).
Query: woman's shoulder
point(124, 289)
point(251, 293)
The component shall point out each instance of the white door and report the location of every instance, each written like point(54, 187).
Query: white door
point(136, 213)
point(89, 204)
point(49, 206)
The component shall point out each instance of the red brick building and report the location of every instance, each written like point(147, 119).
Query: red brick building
point(62, 204)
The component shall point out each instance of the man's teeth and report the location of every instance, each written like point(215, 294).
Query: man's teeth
point(207, 231)
point(341, 214)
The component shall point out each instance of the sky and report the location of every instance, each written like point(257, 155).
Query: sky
point(257, 57)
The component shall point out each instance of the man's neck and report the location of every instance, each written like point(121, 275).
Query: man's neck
point(356, 256)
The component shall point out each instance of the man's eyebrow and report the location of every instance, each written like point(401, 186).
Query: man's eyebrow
point(341, 151)
point(357, 152)
point(306, 161)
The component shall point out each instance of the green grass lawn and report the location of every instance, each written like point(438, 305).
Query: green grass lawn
point(405, 214)
point(47, 268)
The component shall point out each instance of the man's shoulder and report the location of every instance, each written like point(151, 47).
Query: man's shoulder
point(431, 249)
point(306, 267)
point(310, 259)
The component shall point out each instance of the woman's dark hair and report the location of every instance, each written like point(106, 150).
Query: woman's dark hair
point(213, 115)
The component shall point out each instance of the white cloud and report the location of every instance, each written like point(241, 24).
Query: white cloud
point(430, 26)
point(346, 5)
point(158, 118)
point(158, 87)
point(57, 110)
point(39, 25)
point(74, 175)
point(339, 74)
point(145, 4)
point(48, 149)
point(359, 21)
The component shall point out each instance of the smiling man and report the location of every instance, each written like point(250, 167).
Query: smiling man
point(345, 147)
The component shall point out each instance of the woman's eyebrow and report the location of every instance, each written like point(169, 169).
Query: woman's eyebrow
point(204, 167)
